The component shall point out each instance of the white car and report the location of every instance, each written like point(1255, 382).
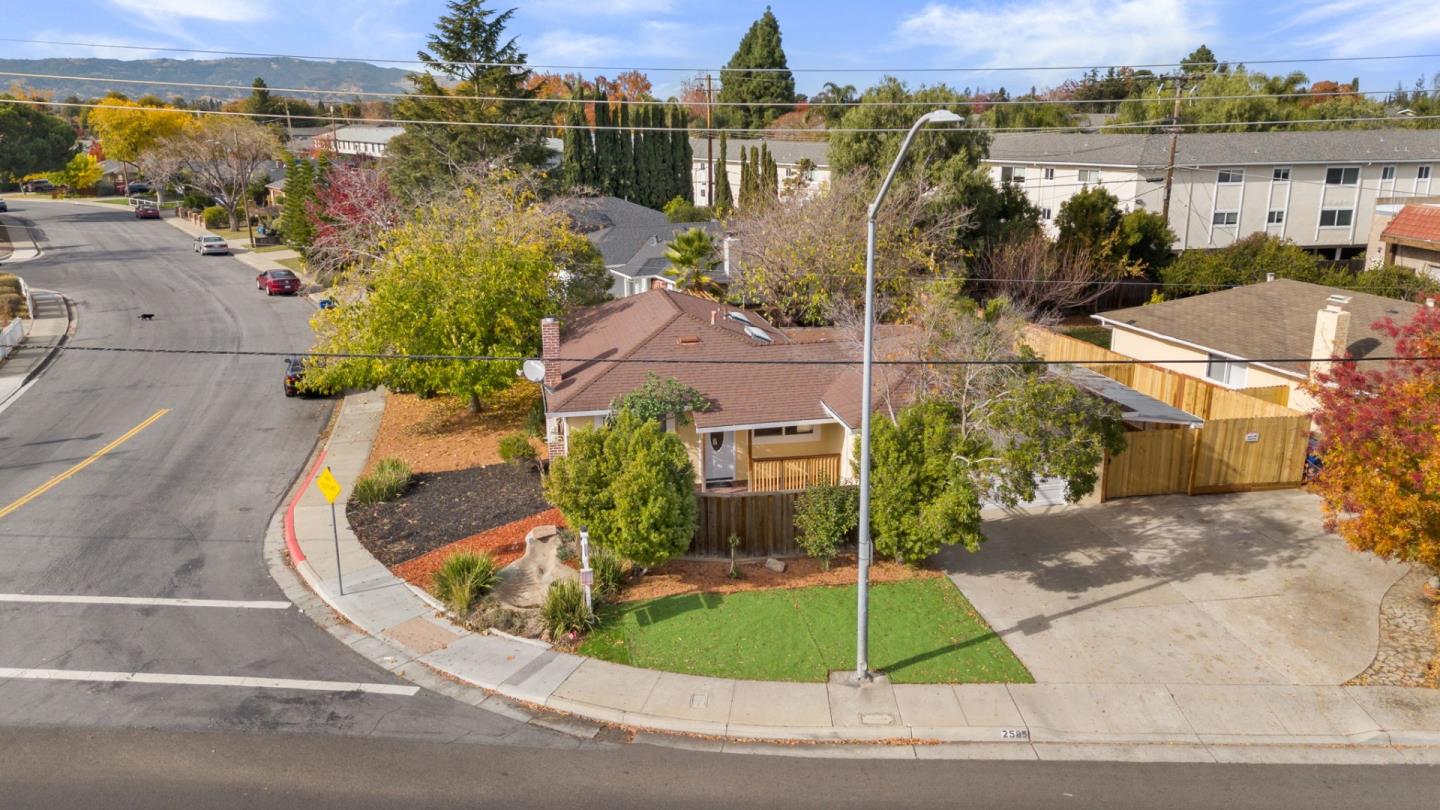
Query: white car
point(207, 244)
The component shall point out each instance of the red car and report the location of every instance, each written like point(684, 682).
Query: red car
point(147, 212)
point(278, 282)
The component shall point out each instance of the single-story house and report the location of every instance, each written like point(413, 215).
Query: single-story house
point(770, 426)
point(1411, 238)
point(1257, 336)
point(632, 240)
point(360, 141)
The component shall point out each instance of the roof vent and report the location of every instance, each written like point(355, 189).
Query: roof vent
point(688, 340)
point(1336, 303)
point(758, 333)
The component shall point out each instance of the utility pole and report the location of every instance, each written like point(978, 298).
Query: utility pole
point(1174, 147)
point(709, 142)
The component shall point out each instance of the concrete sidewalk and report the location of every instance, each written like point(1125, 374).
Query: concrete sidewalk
point(45, 331)
point(1146, 722)
point(260, 261)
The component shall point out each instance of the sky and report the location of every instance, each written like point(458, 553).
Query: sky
point(846, 41)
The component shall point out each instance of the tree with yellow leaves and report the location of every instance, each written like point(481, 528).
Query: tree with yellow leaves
point(127, 129)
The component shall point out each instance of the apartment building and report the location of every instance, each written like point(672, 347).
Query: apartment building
point(808, 176)
point(1318, 189)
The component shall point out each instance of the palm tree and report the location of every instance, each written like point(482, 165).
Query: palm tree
point(692, 257)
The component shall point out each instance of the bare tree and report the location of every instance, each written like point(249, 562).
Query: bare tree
point(163, 167)
point(1043, 277)
point(803, 255)
point(222, 155)
point(353, 211)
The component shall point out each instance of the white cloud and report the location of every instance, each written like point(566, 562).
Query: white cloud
point(1059, 32)
point(100, 46)
point(1366, 28)
point(648, 40)
point(235, 11)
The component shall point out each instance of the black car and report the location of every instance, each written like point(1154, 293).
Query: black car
point(294, 375)
point(4, 206)
point(139, 187)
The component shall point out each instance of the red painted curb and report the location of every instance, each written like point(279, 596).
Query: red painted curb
point(291, 541)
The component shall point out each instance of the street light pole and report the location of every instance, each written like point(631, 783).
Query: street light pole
point(862, 615)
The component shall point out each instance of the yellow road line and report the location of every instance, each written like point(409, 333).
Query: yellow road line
point(94, 457)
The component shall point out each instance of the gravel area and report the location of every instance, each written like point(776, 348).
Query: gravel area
point(1407, 651)
point(441, 508)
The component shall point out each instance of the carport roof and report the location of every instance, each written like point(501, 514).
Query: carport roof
point(1137, 406)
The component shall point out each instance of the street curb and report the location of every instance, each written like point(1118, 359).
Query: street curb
point(291, 541)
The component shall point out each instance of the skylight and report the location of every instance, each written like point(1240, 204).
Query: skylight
point(757, 333)
point(737, 316)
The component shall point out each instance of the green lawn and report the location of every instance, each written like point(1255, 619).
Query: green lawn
point(296, 263)
point(1098, 335)
point(921, 631)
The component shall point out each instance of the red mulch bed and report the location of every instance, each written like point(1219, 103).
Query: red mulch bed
point(505, 543)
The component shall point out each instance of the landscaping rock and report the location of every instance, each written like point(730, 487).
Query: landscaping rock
point(523, 583)
point(775, 565)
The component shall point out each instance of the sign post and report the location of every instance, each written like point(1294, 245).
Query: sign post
point(587, 576)
point(330, 488)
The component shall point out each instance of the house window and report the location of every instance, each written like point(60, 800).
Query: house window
point(1423, 173)
point(1336, 217)
point(1230, 176)
point(1225, 371)
point(1012, 174)
point(1275, 218)
point(1045, 214)
point(1049, 173)
point(1347, 176)
point(1280, 174)
point(1225, 218)
point(788, 432)
point(1088, 176)
point(1387, 172)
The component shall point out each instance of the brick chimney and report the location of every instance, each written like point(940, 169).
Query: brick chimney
point(1332, 333)
point(550, 351)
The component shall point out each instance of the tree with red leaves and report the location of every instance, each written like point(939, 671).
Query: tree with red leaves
point(352, 212)
point(1380, 445)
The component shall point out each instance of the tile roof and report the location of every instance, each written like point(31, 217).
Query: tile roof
point(663, 326)
point(1218, 148)
point(1418, 222)
point(1272, 320)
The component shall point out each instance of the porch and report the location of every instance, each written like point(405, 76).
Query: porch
point(770, 458)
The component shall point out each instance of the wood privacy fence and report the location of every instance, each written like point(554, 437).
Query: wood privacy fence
point(764, 522)
point(1250, 440)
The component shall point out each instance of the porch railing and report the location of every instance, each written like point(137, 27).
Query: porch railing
point(780, 474)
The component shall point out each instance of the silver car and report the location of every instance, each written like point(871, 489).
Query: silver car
point(207, 244)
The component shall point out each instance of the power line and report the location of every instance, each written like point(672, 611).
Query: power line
point(700, 361)
point(339, 119)
point(522, 65)
point(979, 100)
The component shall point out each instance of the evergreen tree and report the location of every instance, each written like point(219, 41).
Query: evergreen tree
point(766, 93)
point(295, 222)
point(624, 156)
point(723, 203)
point(770, 176)
point(684, 153)
point(745, 184)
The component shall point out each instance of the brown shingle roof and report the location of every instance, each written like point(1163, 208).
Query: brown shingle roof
point(1269, 321)
point(1418, 222)
point(661, 326)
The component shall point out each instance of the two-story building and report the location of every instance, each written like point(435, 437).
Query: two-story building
point(356, 141)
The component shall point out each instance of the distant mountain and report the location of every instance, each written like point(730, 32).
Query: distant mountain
point(277, 72)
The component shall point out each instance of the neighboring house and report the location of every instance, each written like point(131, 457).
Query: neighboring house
point(1257, 336)
point(787, 154)
point(363, 141)
point(769, 426)
point(300, 141)
point(1408, 237)
point(275, 192)
point(1319, 189)
point(632, 240)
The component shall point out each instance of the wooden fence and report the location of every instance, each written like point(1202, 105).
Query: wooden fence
point(1250, 440)
point(780, 474)
point(764, 522)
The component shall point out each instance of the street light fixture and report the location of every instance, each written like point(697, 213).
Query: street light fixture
point(862, 623)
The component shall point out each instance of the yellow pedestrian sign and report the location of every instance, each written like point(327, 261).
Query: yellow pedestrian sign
point(329, 487)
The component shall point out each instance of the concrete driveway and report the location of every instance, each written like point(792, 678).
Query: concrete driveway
point(1215, 589)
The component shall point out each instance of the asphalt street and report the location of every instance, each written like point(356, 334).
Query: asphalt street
point(176, 511)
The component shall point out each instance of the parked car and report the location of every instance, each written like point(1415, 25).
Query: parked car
point(278, 282)
point(294, 375)
point(207, 244)
point(4, 206)
point(37, 185)
point(147, 212)
point(139, 187)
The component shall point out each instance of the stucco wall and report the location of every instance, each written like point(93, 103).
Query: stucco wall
point(1165, 354)
point(826, 441)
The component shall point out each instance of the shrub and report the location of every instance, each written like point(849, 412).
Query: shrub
point(824, 515)
point(609, 571)
point(516, 448)
point(9, 288)
point(463, 578)
point(564, 610)
point(388, 481)
point(216, 217)
point(195, 200)
point(12, 305)
point(680, 209)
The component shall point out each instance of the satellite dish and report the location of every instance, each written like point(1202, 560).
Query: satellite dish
point(534, 370)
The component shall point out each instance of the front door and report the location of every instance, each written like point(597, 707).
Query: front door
point(719, 456)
